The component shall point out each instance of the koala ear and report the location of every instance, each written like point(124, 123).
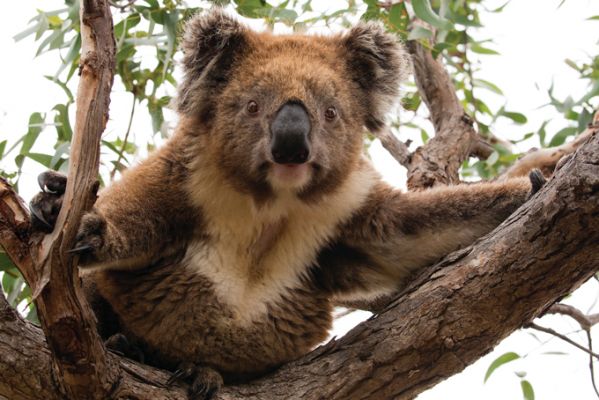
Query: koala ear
point(378, 62)
point(211, 42)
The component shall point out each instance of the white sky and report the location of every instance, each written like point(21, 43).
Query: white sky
point(533, 37)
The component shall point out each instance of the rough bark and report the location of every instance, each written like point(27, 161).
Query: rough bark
point(454, 313)
point(82, 368)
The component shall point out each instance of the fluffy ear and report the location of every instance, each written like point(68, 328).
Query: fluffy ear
point(211, 42)
point(378, 62)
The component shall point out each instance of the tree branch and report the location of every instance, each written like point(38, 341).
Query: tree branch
point(81, 365)
point(547, 159)
point(452, 314)
point(438, 162)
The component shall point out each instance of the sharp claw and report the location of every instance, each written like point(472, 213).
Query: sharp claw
point(80, 249)
point(40, 182)
point(40, 217)
point(174, 377)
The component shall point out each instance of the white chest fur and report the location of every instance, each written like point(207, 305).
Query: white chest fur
point(255, 255)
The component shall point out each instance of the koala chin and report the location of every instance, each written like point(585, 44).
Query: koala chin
point(222, 255)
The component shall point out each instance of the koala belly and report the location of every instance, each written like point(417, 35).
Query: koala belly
point(174, 314)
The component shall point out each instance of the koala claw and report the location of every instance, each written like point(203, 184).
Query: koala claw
point(52, 182)
point(205, 381)
point(119, 344)
point(81, 249)
point(37, 214)
point(537, 180)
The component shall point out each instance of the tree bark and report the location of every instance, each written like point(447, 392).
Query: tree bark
point(452, 314)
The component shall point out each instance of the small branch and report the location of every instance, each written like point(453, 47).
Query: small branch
point(121, 7)
point(397, 148)
point(481, 149)
point(547, 159)
point(558, 335)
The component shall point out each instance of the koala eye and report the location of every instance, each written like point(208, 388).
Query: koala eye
point(252, 107)
point(330, 113)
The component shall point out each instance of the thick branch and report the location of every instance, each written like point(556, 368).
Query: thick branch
point(454, 313)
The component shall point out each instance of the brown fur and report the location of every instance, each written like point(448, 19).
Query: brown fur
point(206, 258)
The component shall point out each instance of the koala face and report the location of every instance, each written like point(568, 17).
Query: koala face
point(287, 113)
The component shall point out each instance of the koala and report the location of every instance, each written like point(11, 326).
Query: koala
point(222, 255)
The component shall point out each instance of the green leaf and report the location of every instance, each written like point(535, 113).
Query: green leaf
point(122, 28)
point(398, 17)
point(493, 158)
point(419, 32)
point(62, 123)
point(527, 391)
point(500, 8)
point(424, 11)
point(2, 147)
point(424, 136)
point(36, 122)
point(251, 8)
point(514, 116)
point(562, 135)
point(72, 55)
point(542, 133)
point(477, 48)
point(488, 85)
point(5, 262)
point(499, 361)
point(44, 159)
point(593, 18)
point(22, 35)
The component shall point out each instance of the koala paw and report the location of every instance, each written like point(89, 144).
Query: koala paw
point(119, 344)
point(46, 205)
point(537, 181)
point(90, 238)
point(205, 382)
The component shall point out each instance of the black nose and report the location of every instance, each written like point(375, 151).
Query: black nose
point(290, 130)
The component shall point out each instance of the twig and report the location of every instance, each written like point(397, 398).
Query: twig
point(550, 331)
point(395, 147)
point(121, 7)
point(125, 140)
point(591, 364)
point(585, 321)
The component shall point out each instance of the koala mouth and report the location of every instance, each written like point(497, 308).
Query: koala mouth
point(290, 175)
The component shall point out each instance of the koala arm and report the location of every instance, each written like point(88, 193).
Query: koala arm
point(137, 220)
point(394, 233)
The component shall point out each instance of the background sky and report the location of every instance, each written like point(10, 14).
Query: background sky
point(534, 38)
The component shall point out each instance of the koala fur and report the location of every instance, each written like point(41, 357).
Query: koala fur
point(210, 253)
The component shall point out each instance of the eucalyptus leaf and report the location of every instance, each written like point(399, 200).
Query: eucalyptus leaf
point(424, 11)
point(499, 361)
point(527, 391)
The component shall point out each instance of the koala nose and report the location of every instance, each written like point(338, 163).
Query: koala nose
point(290, 129)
